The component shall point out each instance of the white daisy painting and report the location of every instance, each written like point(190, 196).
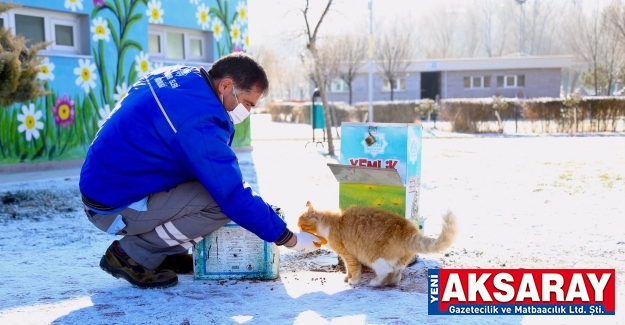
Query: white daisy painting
point(86, 74)
point(245, 41)
point(100, 30)
point(45, 70)
point(235, 33)
point(104, 113)
point(30, 122)
point(242, 12)
point(202, 16)
point(73, 5)
point(120, 92)
point(218, 29)
point(155, 12)
point(143, 64)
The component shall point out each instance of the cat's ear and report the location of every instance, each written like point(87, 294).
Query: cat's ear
point(310, 207)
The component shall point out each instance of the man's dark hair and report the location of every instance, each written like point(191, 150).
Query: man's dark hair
point(243, 69)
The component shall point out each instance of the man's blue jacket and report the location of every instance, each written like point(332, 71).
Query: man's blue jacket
point(171, 128)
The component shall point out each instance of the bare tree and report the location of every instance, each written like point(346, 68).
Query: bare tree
point(588, 40)
point(327, 62)
point(351, 52)
point(612, 49)
point(393, 54)
point(615, 13)
point(494, 28)
point(440, 31)
point(472, 39)
point(543, 17)
point(311, 45)
point(615, 17)
point(283, 86)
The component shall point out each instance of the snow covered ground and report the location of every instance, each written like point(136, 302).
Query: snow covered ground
point(522, 202)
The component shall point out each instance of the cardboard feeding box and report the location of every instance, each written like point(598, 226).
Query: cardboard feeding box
point(232, 252)
point(380, 166)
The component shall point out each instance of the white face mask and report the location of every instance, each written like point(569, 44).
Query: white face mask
point(239, 113)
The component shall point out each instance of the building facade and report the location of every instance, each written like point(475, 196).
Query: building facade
point(523, 77)
point(99, 49)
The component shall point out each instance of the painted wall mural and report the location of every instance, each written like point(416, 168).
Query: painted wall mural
point(84, 89)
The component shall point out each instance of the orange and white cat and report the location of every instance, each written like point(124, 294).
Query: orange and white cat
point(380, 239)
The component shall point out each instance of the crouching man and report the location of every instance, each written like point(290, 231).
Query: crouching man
point(161, 173)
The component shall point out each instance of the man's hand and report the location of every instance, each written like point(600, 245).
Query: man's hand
point(306, 242)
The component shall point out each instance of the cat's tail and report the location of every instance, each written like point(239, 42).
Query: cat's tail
point(425, 245)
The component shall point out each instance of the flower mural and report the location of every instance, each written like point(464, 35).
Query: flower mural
point(86, 74)
point(65, 121)
point(143, 64)
point(202, 16)
point(154, 12)
point(217, 30)
point(100, 30)
point(120, 92)
point(245, 43)
point(30, 122)
point(63, 111)
point(73, 5)
point(235, 33)
point(104, 113)
point(45, 70)
point(242, 12)
point(230, 24)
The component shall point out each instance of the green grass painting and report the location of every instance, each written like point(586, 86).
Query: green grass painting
point(391, 198)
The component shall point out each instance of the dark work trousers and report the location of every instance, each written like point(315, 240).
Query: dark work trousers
point(174, 221)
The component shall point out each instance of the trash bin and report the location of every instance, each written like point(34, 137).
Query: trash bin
point(316, 117)
point(316, 113)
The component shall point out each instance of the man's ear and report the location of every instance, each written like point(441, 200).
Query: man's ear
point(223, 85)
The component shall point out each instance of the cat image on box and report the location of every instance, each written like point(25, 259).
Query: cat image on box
point(377, 238)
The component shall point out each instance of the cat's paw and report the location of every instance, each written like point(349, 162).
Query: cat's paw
point(375, 282)
point(353, 281)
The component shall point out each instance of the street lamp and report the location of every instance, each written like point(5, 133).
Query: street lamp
point(521, 27)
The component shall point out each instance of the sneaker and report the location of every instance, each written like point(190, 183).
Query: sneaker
point(179, 263)
point(119, 265)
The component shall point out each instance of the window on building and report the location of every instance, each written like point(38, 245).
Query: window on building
point(3, 20)
point(500, 81)
point(339, 86)
point(400, 85)
point(31, 27)
point(476, 82)
point(179, 44)
point(64, 33)
point(154, 44)
point(62, 29)
point(174, 45)
point(196, 45)
point(511, 81)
